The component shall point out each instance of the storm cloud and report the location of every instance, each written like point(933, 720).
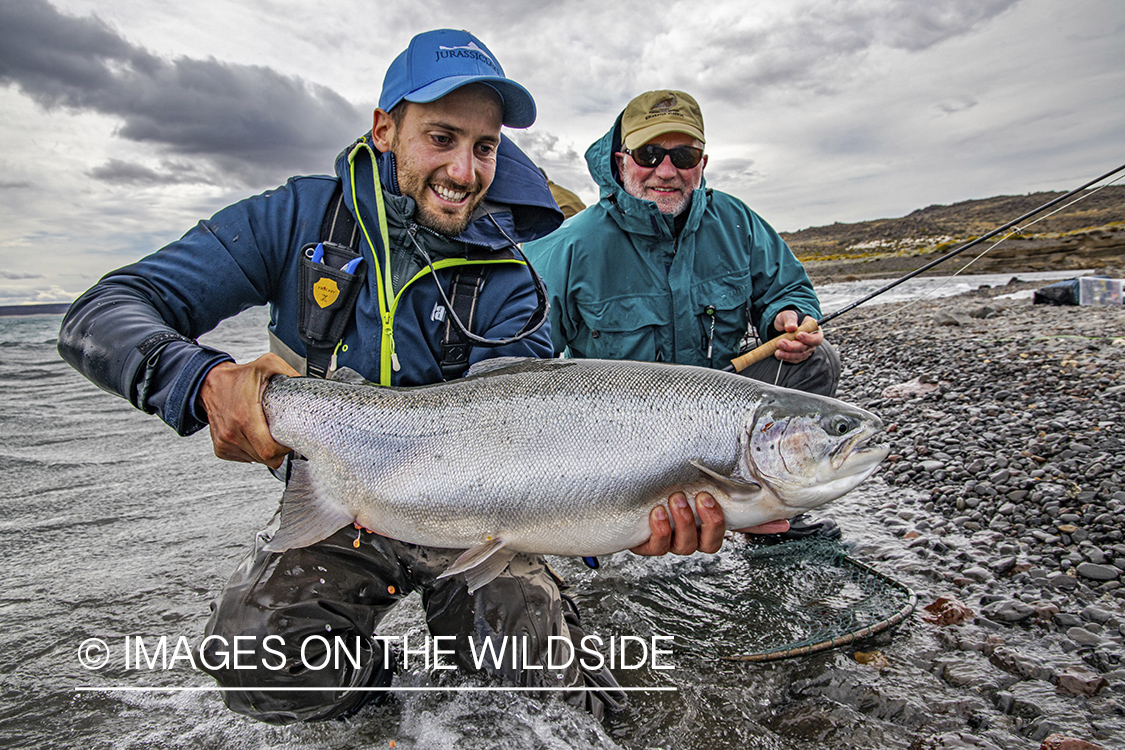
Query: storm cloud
point(808, 48)
point(120, 172)
point(247, 124)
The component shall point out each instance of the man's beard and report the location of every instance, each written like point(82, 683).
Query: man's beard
point(673, 204)
point(417, 186)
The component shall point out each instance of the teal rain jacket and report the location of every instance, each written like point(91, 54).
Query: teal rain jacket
point(622, 286)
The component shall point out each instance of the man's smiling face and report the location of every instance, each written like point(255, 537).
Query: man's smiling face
point(445, 152)
point(665, 185)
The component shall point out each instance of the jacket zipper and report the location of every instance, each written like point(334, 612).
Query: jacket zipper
point(388, 300)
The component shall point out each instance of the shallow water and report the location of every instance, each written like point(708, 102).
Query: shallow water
point(838, 295)
point(114, 527)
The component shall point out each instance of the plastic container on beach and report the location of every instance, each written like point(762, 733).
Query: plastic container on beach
point(1095, 290)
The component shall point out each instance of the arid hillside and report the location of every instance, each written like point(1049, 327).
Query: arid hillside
point(1089, 234)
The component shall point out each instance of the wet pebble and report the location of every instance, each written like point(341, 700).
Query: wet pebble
point(1030, 699)
point(955, 741)
point(977, 573)
point(1062, 742)
point(1009, 610)
point(1062, 581)
point(1097, 572)
point(1080, 681)
point(1083, 637)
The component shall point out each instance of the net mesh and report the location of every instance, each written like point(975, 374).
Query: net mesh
point(810, 596)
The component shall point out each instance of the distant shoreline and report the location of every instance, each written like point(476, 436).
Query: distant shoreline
point(45, 308)
point(838, 270)
point(820, 272)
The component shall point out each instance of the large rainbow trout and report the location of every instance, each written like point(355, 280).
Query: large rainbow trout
point(563, 457)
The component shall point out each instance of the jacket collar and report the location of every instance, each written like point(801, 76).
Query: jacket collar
point(518, 208)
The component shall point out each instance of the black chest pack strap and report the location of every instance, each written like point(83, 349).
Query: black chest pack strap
point(339, 226)
point(331, 275)
point(466, 288)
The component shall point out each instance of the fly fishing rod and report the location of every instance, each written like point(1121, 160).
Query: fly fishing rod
point(811, 326)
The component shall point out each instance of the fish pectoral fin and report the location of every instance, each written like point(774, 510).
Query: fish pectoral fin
point(481, 563)
point(488, 569)
point(736, 487)
point(306, 517)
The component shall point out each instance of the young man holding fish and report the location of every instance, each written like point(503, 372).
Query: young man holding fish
point(662, 269)
point(416, 186)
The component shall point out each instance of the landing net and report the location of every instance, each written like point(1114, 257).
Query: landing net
point(811, 596)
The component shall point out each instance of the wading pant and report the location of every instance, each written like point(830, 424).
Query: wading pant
point(285, 619)
point(819, 374)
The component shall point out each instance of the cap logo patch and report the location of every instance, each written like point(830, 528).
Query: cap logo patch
point(469, 50)
point(665, 105)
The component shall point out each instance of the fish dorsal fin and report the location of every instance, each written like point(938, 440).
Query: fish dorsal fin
point(481, 563)
point(736, 487)
point(306, 516)
point(496, 363)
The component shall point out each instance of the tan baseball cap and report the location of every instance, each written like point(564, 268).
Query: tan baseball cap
point(655, 113)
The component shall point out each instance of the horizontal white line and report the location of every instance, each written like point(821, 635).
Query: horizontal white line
point(497, 689)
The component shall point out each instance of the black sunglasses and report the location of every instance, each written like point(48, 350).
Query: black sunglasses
point(649, 156)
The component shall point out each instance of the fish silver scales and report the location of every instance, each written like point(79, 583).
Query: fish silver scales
point(529, 444)
point(555, 456)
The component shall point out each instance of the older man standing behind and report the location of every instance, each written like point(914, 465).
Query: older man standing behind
point(663, 269)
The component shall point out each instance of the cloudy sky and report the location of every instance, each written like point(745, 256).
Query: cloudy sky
point(123, 122)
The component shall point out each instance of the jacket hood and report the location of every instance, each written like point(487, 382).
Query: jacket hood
point(518, 205)
point(633, 214)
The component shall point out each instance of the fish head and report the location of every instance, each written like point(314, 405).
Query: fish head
point(808, 449)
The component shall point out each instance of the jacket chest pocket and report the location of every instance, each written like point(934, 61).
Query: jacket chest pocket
point(623, 328)
point(723, 318)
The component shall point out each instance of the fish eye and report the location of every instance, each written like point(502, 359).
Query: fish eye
point(840, 426)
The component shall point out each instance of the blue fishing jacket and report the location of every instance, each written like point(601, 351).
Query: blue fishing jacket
point(133, 333)
point(623, 285)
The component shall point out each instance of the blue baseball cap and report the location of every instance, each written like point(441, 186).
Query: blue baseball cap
point(437, 62)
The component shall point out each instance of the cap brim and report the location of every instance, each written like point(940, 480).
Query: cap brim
point(519, 107)
point(644, 135)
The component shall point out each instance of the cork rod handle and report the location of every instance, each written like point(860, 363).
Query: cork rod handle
point(767, 349)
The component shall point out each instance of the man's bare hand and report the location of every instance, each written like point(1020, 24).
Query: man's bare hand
point(686, 538)
point(800, 348)
point(232, 397)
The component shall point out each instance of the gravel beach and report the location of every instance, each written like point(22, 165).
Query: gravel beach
point(1005, 418)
